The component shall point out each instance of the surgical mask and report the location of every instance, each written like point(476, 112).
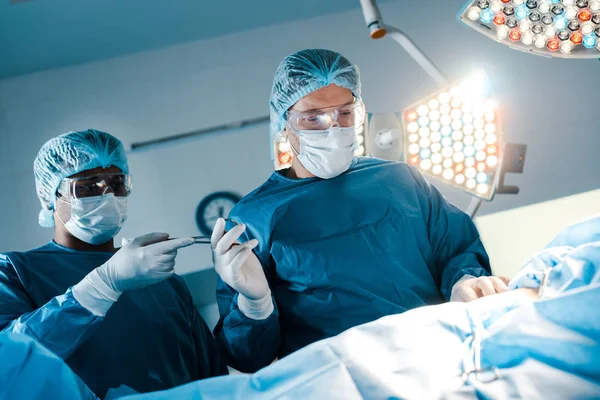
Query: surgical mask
point(329, 153)
point(96, 220)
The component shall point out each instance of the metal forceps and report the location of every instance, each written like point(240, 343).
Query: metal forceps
point(206, 239)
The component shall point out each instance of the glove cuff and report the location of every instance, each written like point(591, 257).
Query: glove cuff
point(454, 294)
point(256, 309)
point(95, 294)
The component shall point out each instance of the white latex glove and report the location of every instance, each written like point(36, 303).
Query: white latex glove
point(469, 288)
point(239, 267)
point(141, 262)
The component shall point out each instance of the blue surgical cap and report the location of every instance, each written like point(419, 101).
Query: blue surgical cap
point(305, 72)
point(70, 154)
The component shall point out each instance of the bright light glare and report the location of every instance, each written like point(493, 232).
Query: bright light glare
point(448, 174)
point(475, 85)
point(458, 157)
point(453, 134)
point(482, 188)
point(433, 104)
point(284, 147)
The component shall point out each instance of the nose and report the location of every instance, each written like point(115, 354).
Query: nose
point(106, 188)
point(334, 120)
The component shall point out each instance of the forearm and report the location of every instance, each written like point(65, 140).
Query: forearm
point(249, 344)
point(61, 325)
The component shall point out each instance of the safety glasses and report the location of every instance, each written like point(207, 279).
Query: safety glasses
point(349, 115)
point(96, 185)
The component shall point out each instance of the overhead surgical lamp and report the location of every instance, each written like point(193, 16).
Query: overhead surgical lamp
point(453, 135)
point(550, 28)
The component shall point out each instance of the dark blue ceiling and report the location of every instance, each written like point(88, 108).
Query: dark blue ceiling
point(37, 35)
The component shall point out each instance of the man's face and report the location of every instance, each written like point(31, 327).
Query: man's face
point(329, 96)
point(63, 208)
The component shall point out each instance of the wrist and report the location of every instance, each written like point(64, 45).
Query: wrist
point(259, 309)
point(95, 294)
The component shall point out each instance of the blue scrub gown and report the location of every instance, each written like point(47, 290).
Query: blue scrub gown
point(150, 339)
point(375, 241)
point(29, 371)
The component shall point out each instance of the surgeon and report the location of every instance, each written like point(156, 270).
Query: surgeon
point(334, 241)
point(120, 318)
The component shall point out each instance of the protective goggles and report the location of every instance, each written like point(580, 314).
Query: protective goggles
point(96, 185)
point(346, 116)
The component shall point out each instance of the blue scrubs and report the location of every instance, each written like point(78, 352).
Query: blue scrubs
point(150, 339)
point(375, 241)
point(29, 371)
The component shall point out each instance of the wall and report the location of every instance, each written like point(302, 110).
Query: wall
point(511, 237)
point(551, 105)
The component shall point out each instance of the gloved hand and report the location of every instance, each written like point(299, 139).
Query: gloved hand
point(469, 288)
point(239, 267)
point(141, 262)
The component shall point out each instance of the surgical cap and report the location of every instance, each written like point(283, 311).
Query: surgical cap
point(70, 154)
point(305, 72)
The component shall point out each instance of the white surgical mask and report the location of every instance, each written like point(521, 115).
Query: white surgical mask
point(327, 154)
point(96, 220)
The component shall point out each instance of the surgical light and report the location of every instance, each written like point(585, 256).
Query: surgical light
point(282, 151)
point(454, 111)
point(588, 28)
point(566, 29)
point(590, 41)
point(469, 126)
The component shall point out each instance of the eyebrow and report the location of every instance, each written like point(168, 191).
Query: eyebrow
point(323, 108)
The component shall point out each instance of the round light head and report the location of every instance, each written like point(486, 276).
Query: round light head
point(538, 26)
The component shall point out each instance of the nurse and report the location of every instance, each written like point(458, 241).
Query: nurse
point(334, 241)
point(120, 319)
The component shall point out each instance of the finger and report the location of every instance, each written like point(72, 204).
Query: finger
point(229, 239)
point(499, 284)
point(504, 279)
point(234, 265)
point(163, 262)
point(217, 233)
point(168, 272)
point(251, 244)
point(148, 239)
point(235, 250)
point(126, 241)
point(486, 286)
point(468, 294)
point(169, 246)
point(240, 259)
